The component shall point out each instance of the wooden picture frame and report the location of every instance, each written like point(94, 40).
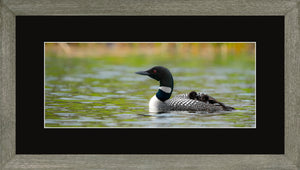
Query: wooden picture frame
point(11, 8)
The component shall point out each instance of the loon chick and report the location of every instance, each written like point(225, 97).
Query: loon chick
point(208, 99)
point(161, 101)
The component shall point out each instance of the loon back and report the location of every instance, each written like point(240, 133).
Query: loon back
point(161, 101)
point(179, 103)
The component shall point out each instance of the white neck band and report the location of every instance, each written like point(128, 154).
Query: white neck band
point(165, 89)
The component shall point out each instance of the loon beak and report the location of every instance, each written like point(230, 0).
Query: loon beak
point(142, 73)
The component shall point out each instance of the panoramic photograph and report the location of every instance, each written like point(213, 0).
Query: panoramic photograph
point(150, 85)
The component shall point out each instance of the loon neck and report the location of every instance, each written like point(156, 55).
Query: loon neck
point(164, 93)
point(167, 81)
point(165, 89)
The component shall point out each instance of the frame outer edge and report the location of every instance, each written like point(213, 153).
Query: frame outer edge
point(298, 85)
point(7, 84)
point(7, 70)
point(292, 69)
point(292, 79)
point(153, 7)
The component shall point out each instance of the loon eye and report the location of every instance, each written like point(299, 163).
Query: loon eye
point(154, 71)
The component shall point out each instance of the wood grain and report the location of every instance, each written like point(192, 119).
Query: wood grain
point(7, 85)
point(10, 8)
point(153, 7)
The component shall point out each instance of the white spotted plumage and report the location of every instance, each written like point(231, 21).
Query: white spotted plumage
point(182, 102)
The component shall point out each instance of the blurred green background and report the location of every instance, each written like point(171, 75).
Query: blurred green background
point(140, 54)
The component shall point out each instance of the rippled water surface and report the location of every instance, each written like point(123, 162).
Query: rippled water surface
point(90, 93)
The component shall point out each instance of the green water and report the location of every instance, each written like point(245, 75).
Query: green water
point(105, 92)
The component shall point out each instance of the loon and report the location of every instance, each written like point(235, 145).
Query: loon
point(193, 101)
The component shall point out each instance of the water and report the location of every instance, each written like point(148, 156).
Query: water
point(91, 93)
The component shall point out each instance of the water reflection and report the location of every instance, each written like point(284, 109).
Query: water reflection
point(113, 96)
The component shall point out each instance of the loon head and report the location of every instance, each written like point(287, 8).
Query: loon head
point(165, 78)
point(159, 73)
